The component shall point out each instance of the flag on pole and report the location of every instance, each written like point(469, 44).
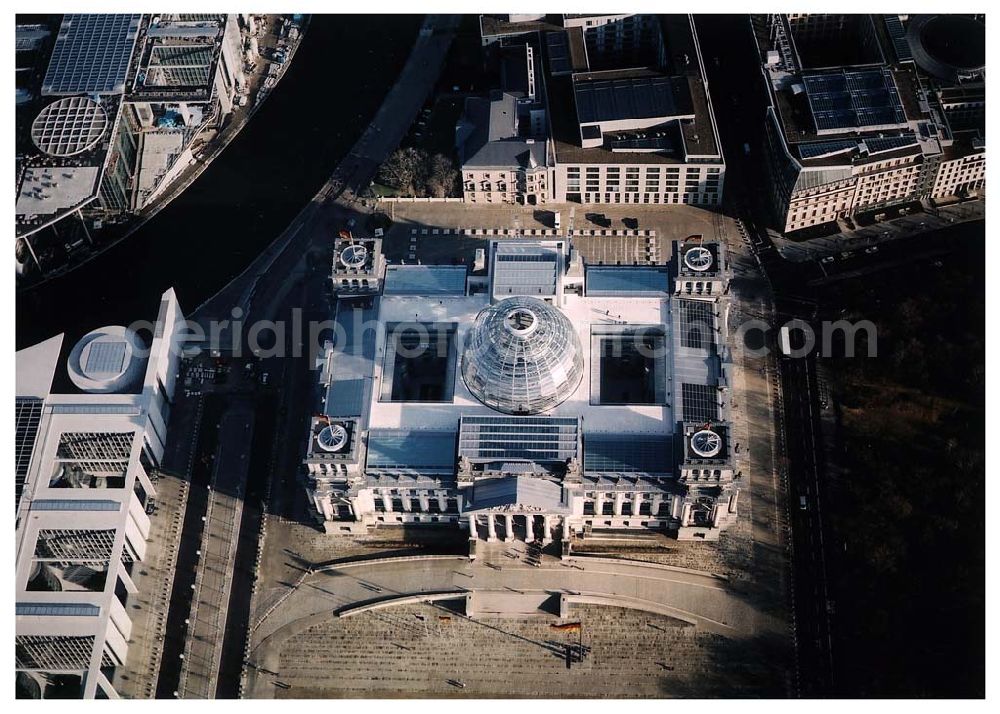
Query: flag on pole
point(568, 627)
point(345, 234)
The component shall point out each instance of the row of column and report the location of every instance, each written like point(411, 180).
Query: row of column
point(424, 501)
point(619, 500)
point(548, 524)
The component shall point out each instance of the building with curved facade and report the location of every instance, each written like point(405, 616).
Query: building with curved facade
point(871, 111)
point(541, 398)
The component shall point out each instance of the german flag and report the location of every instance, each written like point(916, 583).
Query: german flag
point(568, 627)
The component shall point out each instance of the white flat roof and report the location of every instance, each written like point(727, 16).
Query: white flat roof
point(583, 312)
point(35, 367)
point(60, 187)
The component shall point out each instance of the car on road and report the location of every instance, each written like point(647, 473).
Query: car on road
point(264, 378)
point(871, 249)
point(828, 259)
point(803, 503)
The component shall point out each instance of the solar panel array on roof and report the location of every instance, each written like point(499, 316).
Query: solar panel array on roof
point(898, 34)
point(410, 449)
point(696, 324)
point(91, 54)
point(28, 415)
point(59, 504)
point(854, 99)
point(601, 100)
point(627, 453)
point(890, 143)
point(822, 149)
point(641, 281)
point(499, 438)
point(524, 270)
point(105, 358)
point(699, 402)
point(180, 66)
point(646, 143)
point(558, 46)
point(424, 280)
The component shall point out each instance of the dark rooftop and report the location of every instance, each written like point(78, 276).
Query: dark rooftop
point(630, 94)
point(698, 135)
point(492, 26)
point(491, 136)
point(567, 51)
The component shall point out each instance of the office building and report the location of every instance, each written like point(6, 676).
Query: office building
point(630, 119)
point(91, 429)
point(869, 112)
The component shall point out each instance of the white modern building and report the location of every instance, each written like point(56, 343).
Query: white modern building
point(544, 401)
point(110, 131)
point(91, 428)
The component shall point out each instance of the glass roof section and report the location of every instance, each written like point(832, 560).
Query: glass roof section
point(91, 54)
point(627, 453)
point(406, 449)
point(536, 439)
point(523, 357)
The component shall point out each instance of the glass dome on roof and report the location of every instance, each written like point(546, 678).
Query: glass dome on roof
point(522, 357)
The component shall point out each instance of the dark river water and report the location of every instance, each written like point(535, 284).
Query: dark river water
point(247, 196)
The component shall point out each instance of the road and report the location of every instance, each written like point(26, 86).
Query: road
point(259, 290)
point(740, 98)
point(288, 275)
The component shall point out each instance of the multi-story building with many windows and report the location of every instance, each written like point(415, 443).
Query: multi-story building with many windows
point(91, 429)
point(870, 111)
point(630, 119)
point(545, 400)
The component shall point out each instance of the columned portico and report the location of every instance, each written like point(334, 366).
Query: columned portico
point(514, 498)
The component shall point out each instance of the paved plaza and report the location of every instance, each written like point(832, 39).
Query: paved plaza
point(669, 223)
point(429, 651)
point(696, 617)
